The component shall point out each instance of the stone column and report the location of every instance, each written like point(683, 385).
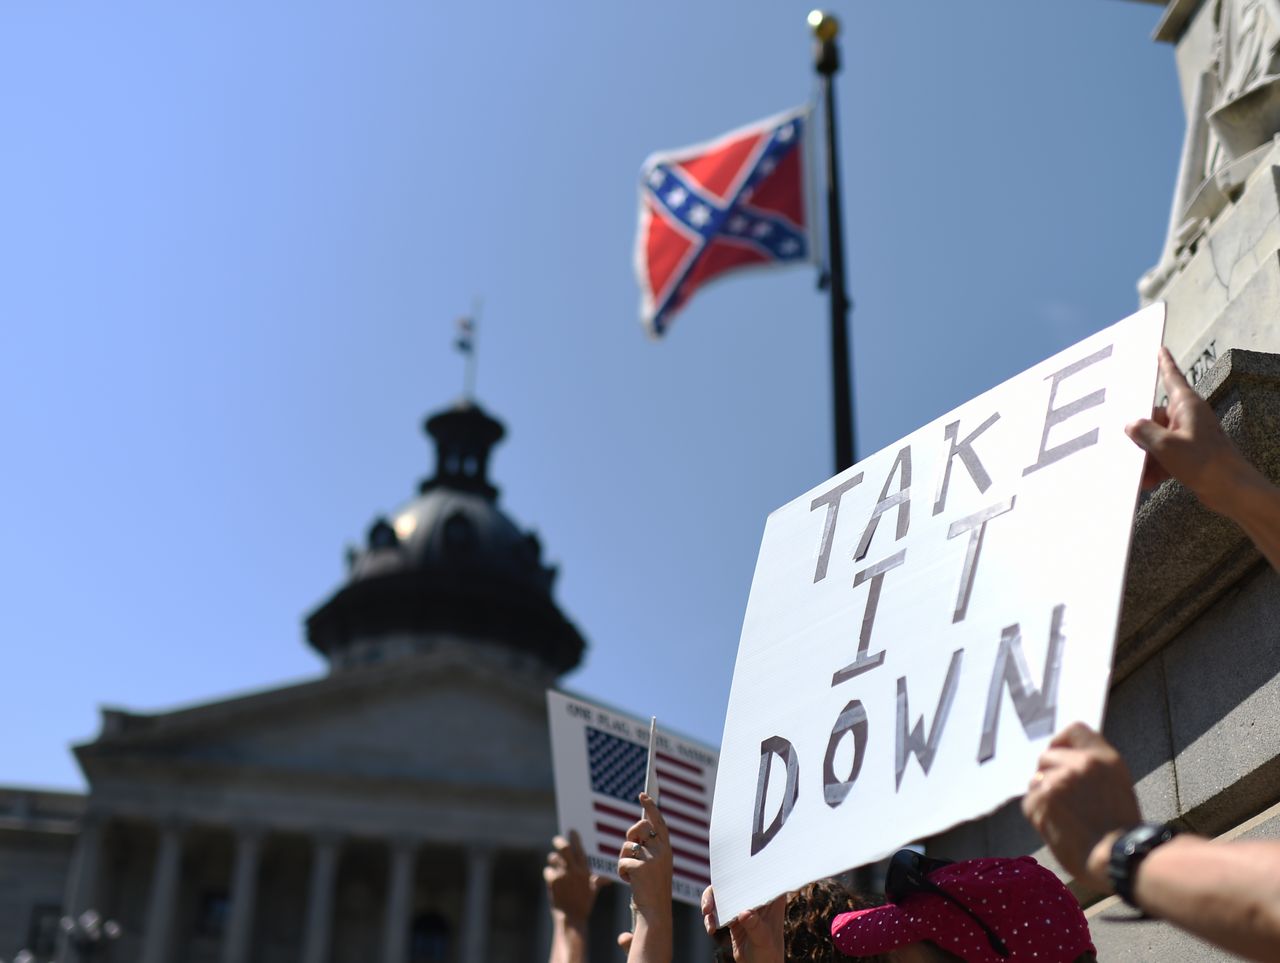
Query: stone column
point(244, 895)
point(324, 874)
point(395, 934)
point(82, 883)
point(543, 938)
point(165, 880)
point(698, 945)
point(475, 918)
point(621, 910)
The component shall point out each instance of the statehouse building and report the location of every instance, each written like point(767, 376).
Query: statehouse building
point(398, 809)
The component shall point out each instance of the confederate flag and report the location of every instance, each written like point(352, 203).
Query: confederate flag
point(738, 201)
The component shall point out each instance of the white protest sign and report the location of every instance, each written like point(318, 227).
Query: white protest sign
point(921, 624)
point(601, 757)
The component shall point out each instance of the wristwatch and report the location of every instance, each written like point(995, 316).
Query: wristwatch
point(1128, 852)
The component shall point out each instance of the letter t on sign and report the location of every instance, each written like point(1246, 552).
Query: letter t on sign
point(1055, 416)
point(976, 526)
point(832, 500)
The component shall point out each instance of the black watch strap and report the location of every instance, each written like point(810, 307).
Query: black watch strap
point(1128, 852)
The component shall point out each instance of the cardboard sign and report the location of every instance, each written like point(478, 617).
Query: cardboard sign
point(601, 759)
point(922, 623)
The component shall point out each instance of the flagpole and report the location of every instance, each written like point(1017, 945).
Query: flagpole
point(827, 63)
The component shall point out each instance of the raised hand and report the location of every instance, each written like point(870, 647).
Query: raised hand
point(645, 862)
point(756, 936)
point(571, 886)
point(1184, 440)
point(1080, 800)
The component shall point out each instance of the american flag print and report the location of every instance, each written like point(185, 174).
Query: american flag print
point(600, 756)
point(738, 201)
point(617, 769)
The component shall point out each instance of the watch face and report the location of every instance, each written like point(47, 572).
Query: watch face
point(1128, 853)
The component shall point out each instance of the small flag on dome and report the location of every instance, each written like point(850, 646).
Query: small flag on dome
point(464, 341)
point(735, 202)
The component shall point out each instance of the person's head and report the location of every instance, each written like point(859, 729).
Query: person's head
point(977, 911)
point(807, 927)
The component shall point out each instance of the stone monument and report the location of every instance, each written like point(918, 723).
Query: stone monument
point(1195, 695)
point(1220, 267)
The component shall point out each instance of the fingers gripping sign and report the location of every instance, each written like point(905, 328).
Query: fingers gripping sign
point(645, 860)
point(755, 936)
point(1080, 798)
point(1184, 440)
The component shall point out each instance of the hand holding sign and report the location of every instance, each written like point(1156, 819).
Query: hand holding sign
point(604, 758)
point(1186, 442)
point(755, 936)
point(1080, 797)
point(918, 625)
point(645, 860)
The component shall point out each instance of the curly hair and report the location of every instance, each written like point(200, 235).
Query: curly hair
point(810, 911)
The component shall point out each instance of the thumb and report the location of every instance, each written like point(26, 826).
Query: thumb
point(1076, 736)
point(1146, 434)
point(738, 937)
point(750, 921)
point(599, 882)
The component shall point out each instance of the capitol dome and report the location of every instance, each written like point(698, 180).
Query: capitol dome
point(449, 564)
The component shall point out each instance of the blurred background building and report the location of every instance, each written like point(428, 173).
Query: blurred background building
point(398, 809)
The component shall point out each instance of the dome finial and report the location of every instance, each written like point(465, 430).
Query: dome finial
point(465, 342)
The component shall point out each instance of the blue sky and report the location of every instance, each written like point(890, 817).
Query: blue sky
point(234, 238)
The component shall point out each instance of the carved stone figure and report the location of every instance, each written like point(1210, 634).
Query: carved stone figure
point(1249, 31)
point(1235, 112)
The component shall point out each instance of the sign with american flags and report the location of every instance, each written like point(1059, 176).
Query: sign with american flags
point(735, 202)
point(601, 757)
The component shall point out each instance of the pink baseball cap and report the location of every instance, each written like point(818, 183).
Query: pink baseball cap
point(1031, 912)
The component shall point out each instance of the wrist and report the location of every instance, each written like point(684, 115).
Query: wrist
point(1097, 863)
point(565, 920)
point(654, 928)
point(1239, 490)
point(1130, 851)
point(653, 936)
point(652, 912)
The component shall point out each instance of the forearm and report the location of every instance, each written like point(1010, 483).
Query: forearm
point(652, 942)
point(1225, 893)
point(568, 939)
point(1256, 509)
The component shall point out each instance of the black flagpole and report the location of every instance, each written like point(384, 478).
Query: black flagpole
point(827, 63)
